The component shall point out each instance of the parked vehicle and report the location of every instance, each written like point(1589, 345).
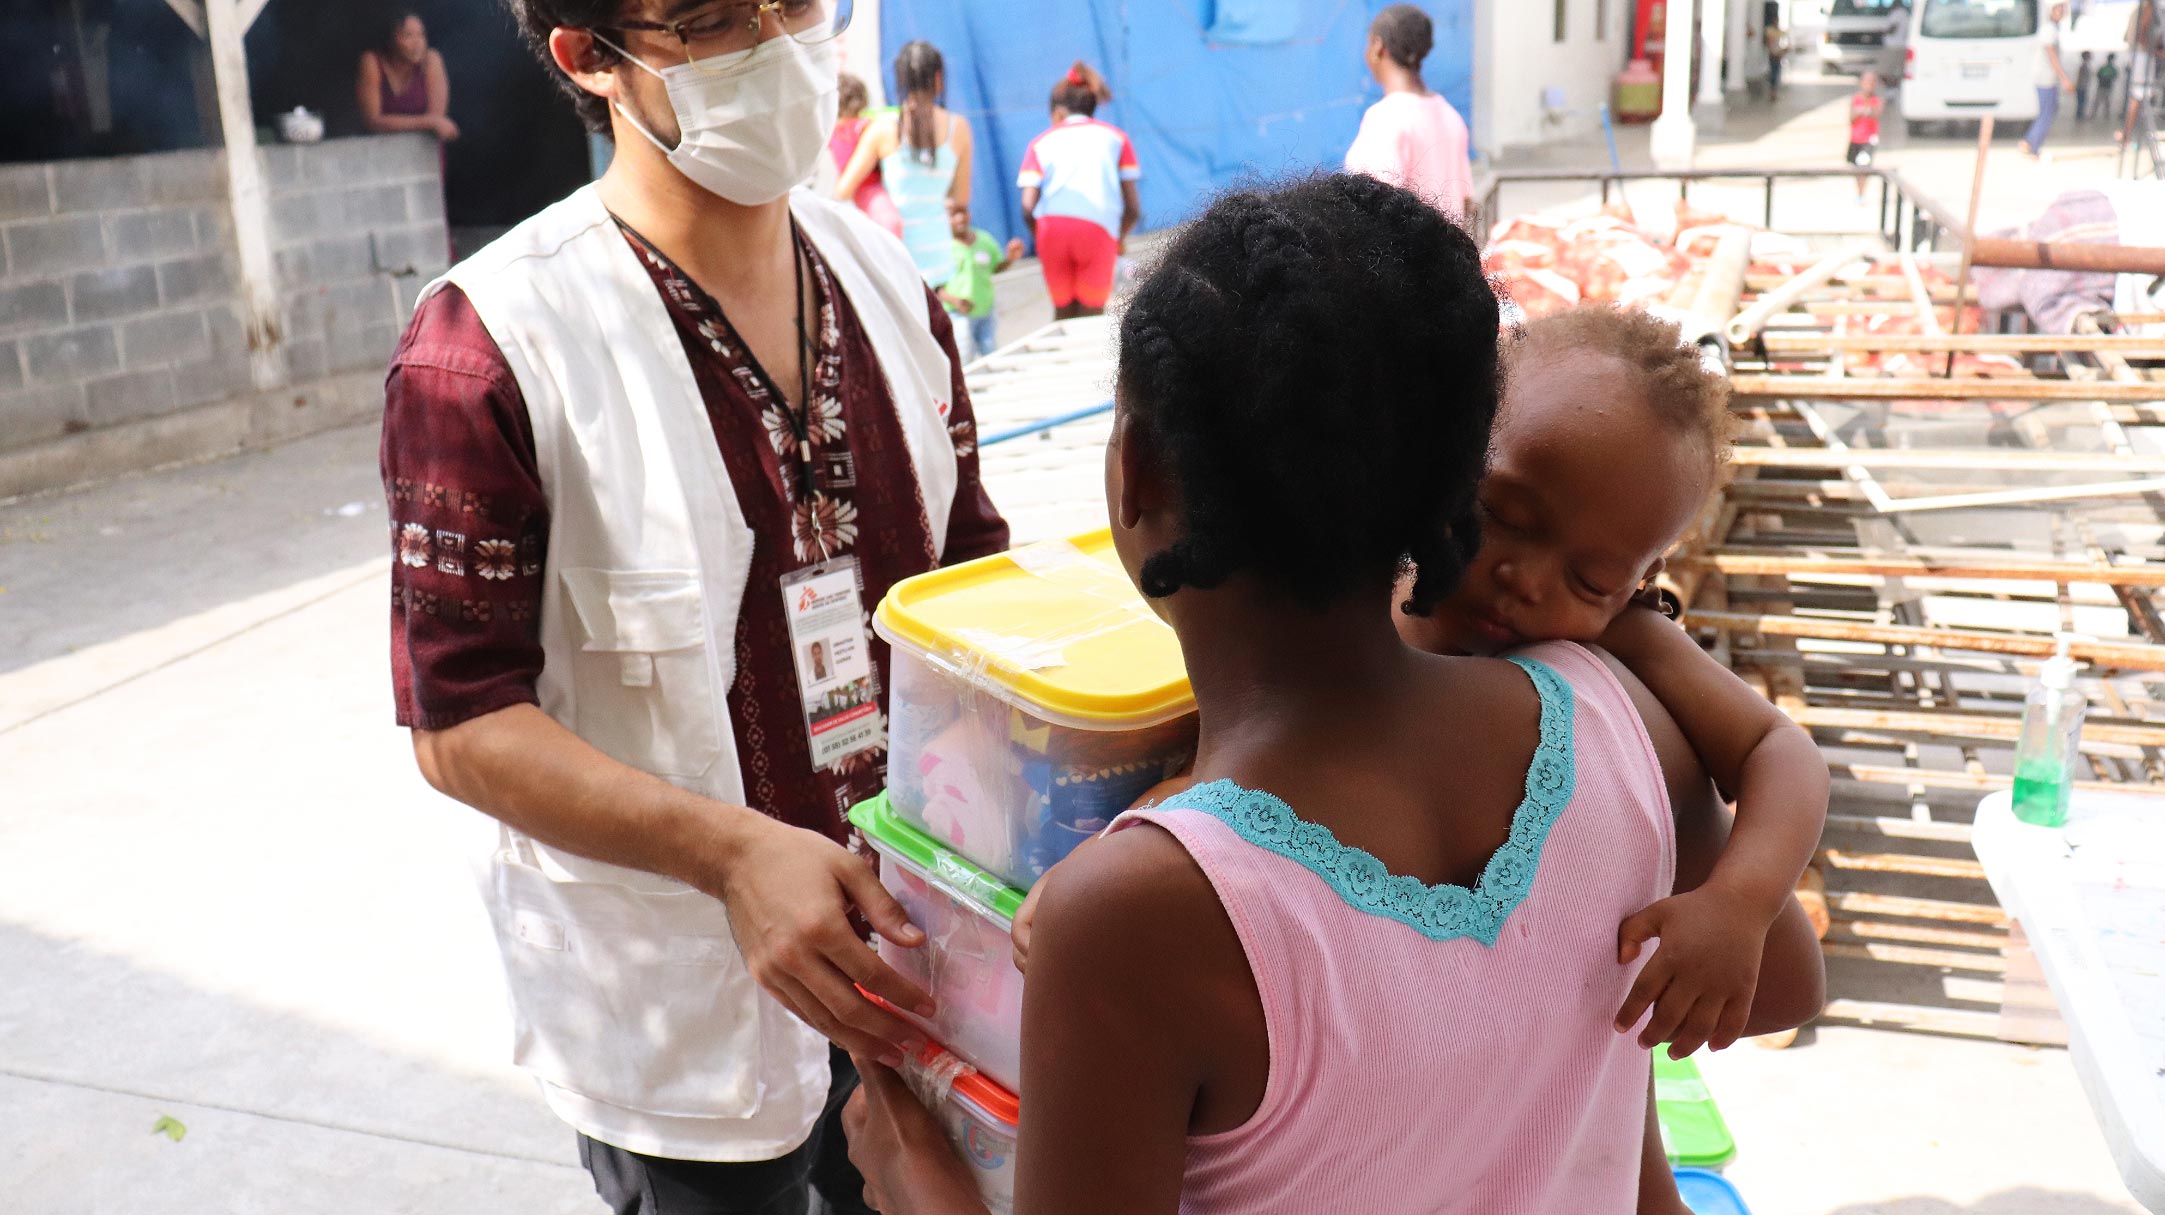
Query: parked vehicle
point(1864, 34)
point(2098, 26)
point(1970, 58)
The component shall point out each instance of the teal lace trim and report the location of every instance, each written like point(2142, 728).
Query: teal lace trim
point(1442, 912)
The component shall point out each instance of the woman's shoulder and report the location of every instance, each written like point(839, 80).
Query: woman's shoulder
point(1129, 885)
point(370, 62)
point(1138, 870)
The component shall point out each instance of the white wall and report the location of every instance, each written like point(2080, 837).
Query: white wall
point(861, 50)
point(1516, 57)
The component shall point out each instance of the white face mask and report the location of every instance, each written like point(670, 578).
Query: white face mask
point(749, 131)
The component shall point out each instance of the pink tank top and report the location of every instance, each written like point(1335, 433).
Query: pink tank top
point(1436, 1049)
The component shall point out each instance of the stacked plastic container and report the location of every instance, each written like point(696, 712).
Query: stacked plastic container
point(1035, 696)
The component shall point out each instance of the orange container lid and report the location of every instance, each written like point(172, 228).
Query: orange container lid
point(982, 1091)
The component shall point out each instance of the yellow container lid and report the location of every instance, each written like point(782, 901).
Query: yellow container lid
point(1055, 629)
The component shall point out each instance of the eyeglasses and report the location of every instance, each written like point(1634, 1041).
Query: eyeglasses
point(732, 27)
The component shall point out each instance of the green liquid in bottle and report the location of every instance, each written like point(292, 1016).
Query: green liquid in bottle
point(2041, 792)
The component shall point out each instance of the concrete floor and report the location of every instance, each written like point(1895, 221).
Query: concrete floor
point(225, 896)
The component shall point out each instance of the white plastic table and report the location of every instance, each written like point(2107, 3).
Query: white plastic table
point(2091, 898)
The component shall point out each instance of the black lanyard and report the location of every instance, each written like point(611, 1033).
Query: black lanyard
point(800, 416)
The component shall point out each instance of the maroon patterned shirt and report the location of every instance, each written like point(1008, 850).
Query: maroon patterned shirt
point(469, 521)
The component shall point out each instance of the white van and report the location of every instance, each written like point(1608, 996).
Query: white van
point(1970, 58)
point(1864, 35)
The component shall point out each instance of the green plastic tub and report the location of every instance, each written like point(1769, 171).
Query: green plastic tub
point(967, 962)
point(1691, 1124)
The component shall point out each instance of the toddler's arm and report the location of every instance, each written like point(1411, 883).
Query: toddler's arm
point(1713, 936)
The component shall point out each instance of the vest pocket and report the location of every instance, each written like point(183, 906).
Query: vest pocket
point(636, 999)
point(643, 690)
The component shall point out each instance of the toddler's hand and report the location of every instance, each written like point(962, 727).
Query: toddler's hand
point(1019, 934)
point(1702, 977)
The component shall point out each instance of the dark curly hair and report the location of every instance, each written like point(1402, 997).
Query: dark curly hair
point(1315, 367)
point(537, 18)
point(1406, 33)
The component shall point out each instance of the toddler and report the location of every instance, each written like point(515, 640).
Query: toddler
point(1865, 106)
point(1569, 533)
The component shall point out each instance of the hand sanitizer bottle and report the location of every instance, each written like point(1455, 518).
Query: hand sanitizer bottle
point(2046, 758)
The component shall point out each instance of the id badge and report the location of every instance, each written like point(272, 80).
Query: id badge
point(833, 656)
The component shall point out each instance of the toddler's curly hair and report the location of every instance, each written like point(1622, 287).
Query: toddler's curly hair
point(1691, 397)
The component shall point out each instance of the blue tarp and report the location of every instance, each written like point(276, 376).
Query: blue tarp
point(1204, 113)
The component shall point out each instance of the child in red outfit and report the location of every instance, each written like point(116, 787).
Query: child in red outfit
point(1864, 109)
point(1079, 195)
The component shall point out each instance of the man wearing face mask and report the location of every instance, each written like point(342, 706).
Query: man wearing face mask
point(642, 454)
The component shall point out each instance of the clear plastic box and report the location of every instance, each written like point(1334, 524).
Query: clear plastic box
point(981, 1118)
point(967, 963)
point(1035, 696)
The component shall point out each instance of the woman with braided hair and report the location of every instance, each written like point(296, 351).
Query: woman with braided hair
point(923, 154)
point(1368, 962)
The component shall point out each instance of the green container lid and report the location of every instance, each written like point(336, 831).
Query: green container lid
point(1691, 1124)
point(890, 834)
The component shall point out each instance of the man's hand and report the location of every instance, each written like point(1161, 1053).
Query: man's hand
point(789, 892)
point(897, 1144)
point(1014, 250)
point(954, 303)
point(1702, 977)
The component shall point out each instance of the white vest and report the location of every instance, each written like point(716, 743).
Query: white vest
point(631, 1003)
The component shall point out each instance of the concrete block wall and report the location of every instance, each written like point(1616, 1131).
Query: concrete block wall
point(357, 228)
point(120, 286)
point(117, 293)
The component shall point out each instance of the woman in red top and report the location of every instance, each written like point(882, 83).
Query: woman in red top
point(403, 87)
point(871, 196)
point(1864, 107)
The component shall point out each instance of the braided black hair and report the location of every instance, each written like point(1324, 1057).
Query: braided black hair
point(1406, 33)
point(1315, 367)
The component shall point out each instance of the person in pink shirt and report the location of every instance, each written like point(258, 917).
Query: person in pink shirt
point(1412, 138)
point(1368, 962)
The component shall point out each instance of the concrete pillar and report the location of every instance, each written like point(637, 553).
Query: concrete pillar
point(1673, 138)
point(1483, 118)
point(1713, 34)
point(1742, 13)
